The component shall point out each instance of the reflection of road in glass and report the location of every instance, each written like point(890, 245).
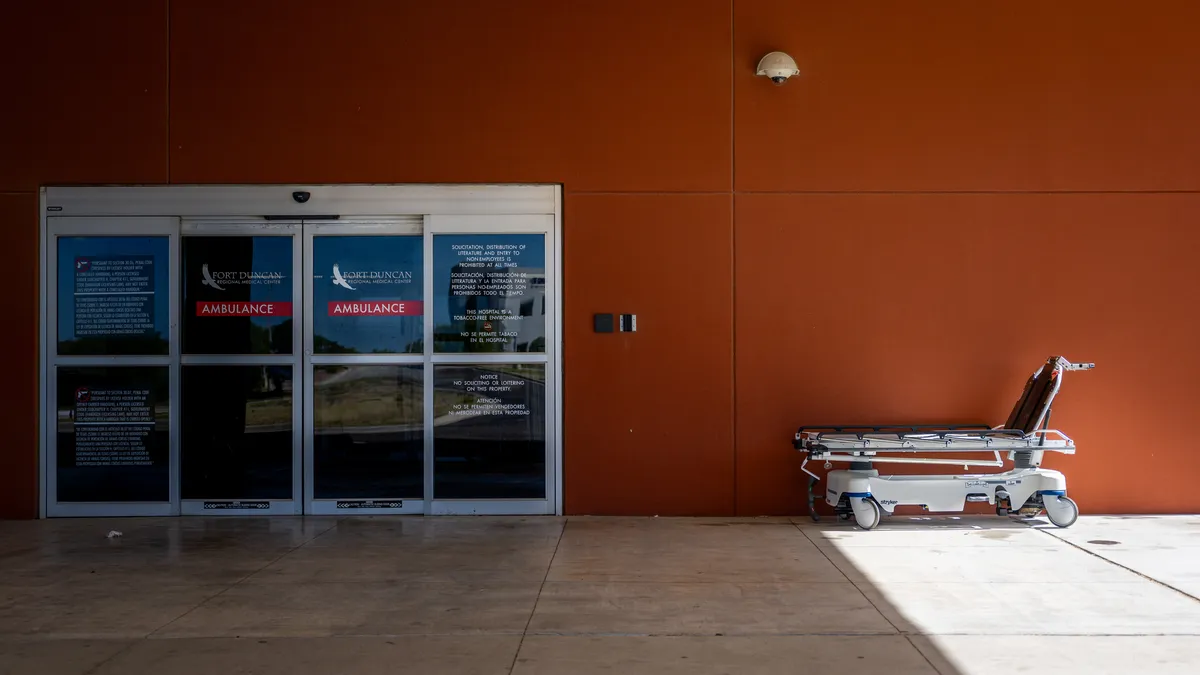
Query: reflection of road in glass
point(368, 399)
point(382, 399)
point(368, 431)
point(269, 404)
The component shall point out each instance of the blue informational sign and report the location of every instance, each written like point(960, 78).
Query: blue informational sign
point(112, 295)
point(489, 292)
point(368, 294)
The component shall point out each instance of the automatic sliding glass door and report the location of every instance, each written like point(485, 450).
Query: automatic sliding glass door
point(240, 379)
point(242, 365)
point(428, 357)
point(364, 355)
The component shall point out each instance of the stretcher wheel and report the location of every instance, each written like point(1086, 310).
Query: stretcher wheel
point(843, 516)
point(1062, 511)
point(875, 514)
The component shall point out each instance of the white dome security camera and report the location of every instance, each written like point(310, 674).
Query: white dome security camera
point(777, 66)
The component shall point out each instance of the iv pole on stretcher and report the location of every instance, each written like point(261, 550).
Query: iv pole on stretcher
point(860, 492)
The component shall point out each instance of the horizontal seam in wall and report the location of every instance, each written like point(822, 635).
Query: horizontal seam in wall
point(885, 192)
point(647, 192)
point(14, 193)
point(967, 192)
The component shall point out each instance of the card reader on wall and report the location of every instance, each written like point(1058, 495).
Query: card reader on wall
point(628, 323)
point(603, 323)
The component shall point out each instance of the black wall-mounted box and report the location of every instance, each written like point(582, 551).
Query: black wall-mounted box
point(603, 323)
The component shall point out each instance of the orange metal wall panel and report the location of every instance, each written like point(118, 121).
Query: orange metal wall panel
point(19, 307)
point(986, 95)
point(649, 415)
point(615, 95)
point(84, 93)
point(906, 308)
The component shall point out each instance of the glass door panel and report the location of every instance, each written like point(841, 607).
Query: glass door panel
point(489, 407)
point(113, 434)
point(368, 434)
point(239, 404)
point(238, 443)
point(238, 294)
point(489, 433)
point(110, 400)
point(367, 295)
point(364, 356)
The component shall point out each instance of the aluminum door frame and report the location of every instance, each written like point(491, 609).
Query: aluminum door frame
point(255, 228)
point(84, 226)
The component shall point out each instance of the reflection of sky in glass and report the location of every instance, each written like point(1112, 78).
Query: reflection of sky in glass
point(367, 254)
point(445, 258)
point(270, 254)
point(70, 248)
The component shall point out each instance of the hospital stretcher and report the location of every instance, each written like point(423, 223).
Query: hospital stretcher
point(859, 491)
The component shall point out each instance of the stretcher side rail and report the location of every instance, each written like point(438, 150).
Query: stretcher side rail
point(879, 428)
point(951, 441)
point(809, 434)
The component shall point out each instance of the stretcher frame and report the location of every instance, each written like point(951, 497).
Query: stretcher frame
point(862, 493)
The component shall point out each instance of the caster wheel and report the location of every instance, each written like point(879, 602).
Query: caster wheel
point(843, 517)
point(1001, 511)
point(1062, 511)
point(870, 520)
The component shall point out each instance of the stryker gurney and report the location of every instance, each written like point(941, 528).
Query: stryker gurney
point(860, 492)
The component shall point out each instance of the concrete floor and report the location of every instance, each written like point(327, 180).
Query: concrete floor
point(537, 596)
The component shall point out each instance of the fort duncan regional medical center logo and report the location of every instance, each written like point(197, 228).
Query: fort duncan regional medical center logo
point(353, 280)
point(350, 280)
point(222, 281)
point(219, 280)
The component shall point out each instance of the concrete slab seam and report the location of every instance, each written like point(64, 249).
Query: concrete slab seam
point(1117, 564)
point(538, 597)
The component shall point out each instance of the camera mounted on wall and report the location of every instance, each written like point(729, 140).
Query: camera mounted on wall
point(777, 66)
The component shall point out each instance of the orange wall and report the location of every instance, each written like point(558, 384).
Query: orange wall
point(946, 303)
point(736, 218)
point(19, 305)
